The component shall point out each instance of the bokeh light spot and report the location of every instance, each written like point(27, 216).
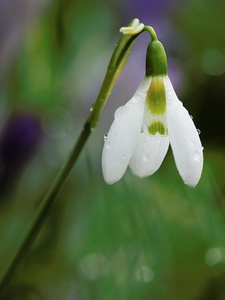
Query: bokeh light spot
point(213, 256)
point(144, 274)
point(94, 265)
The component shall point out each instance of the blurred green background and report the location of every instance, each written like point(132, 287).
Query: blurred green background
point(153, 238)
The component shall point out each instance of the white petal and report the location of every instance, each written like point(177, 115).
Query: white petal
point(123, 135)
point(184, 138)
point(148, 154)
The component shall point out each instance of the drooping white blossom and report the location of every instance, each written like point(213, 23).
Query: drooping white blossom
point(143, 129)
point(149, 122)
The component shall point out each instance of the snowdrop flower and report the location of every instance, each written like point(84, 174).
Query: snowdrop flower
point(145, 126)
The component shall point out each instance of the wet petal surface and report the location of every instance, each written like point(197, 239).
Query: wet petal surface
point(184, 139)
point(149, 154)
point(123, 136)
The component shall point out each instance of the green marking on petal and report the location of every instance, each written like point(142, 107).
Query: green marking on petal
point(156, 96)
point(157, 126)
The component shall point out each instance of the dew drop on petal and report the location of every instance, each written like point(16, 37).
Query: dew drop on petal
point(107, 145)
point(197, 156)
point(168, 96)
point(199, 131)
point(105, 137)
point(146, 158)
point(120, 112)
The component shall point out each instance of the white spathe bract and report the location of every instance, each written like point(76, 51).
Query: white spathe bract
point(130, 143)
point(134, 28)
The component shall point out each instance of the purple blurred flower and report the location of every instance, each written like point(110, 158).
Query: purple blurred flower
point(150, 12)
point(18, 144)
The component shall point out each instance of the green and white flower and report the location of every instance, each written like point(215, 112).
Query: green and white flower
point(145, 126)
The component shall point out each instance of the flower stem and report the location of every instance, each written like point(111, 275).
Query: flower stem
point(151, 31)
point(114, 69)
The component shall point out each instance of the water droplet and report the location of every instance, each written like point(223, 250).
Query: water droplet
point(146, 158)
point(105, 137)
point(168, 97)
point(91, 109)
point(107, 145)
point(197, 156)
point(191, 117)
point(199, 131)
point(122, 110)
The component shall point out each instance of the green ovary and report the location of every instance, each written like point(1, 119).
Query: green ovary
point(157, 127)
point(156, 96)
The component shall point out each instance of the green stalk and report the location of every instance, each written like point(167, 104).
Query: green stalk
point(114, 69)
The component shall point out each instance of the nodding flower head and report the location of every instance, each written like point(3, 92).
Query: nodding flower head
point(145, 126)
